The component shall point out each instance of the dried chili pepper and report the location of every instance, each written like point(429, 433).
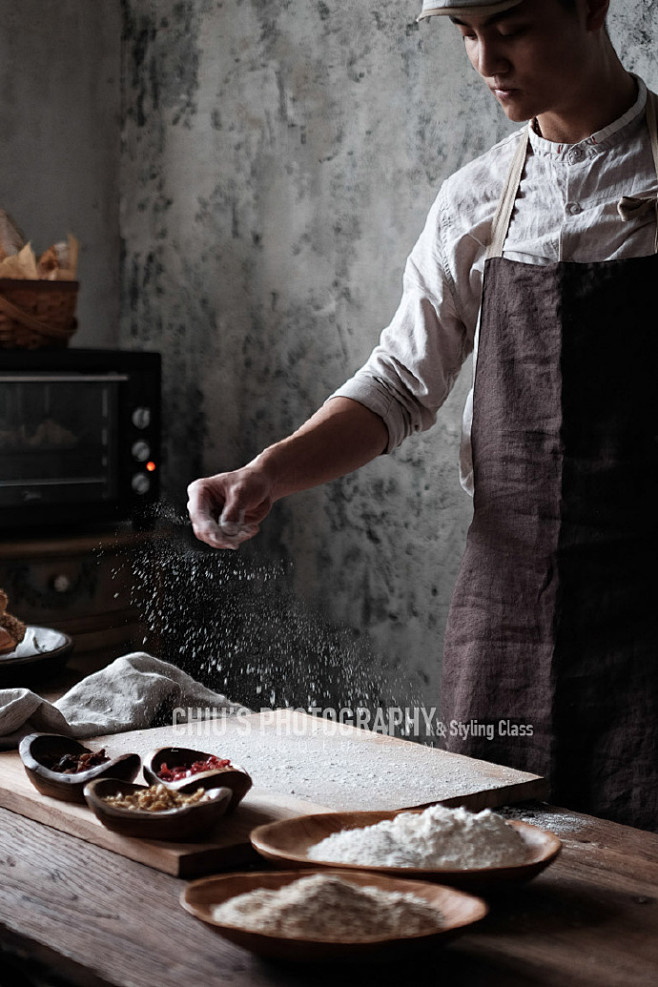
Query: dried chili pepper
point(211, 763)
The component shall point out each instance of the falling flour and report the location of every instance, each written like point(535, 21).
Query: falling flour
point(329, 908)
point(437, 837)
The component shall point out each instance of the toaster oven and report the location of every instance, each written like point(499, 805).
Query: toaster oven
point(79, 436)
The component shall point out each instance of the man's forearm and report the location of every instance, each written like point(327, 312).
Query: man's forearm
point(339, 438)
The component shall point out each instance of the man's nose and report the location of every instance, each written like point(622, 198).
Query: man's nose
point(491, 59)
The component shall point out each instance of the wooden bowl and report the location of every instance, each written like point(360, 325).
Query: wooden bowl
point(287, 843)
point(38, 750)
point(235, 778)
point(456, 908)
point(175, 825)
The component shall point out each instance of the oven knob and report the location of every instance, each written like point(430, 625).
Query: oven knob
point(140, 483)
point(141, 417)
point(61, 583)
point(141, 451)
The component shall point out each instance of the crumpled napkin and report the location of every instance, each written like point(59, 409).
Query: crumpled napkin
point(129, 694)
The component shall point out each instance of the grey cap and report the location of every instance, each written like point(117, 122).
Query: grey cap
point(462, 8)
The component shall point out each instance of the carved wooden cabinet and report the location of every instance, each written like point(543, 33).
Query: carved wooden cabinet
point(80, 584)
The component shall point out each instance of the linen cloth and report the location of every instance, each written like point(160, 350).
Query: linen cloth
point(132, 693)
point(573, 205)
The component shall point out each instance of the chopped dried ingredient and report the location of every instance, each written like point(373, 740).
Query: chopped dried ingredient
point(72, 764)
point(156, 798)
point(211, 763)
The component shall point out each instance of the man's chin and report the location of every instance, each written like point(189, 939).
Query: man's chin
point(517, 114)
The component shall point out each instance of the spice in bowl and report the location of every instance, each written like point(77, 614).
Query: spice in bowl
point(177, 773)
point(156, 798)
point(72, 764)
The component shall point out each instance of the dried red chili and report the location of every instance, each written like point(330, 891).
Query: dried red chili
point(211, 763)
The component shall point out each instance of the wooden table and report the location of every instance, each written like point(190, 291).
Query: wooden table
point(74, 913)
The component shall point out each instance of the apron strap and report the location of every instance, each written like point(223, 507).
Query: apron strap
point(503, 214)
point(652, 114)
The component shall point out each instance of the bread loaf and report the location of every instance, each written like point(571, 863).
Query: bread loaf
point(12, 630)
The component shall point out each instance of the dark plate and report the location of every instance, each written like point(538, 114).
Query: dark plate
point(235, 777)
point(187, 824)
point(38, 750)
point(40, 648)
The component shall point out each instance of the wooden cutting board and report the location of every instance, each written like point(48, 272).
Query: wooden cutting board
point(299, 764)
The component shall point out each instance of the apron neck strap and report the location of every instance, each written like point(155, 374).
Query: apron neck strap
point(652, 114)
point(503, 214)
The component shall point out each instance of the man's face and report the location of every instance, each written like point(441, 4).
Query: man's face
point(532, 57)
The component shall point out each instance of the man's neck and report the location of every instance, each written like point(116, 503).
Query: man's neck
point(600, 103)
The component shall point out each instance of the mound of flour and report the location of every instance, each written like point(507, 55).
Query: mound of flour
point(327, 907)
point(437, 837)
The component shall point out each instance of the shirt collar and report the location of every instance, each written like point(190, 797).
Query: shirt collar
point(608, 137)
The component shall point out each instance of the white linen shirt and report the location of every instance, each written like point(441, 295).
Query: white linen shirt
point(566, 210)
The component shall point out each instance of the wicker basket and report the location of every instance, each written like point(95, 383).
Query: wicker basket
point(37, 313)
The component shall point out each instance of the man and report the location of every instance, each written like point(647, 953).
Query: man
point(541, 257)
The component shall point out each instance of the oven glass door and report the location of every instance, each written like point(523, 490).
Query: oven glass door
point(58, 438)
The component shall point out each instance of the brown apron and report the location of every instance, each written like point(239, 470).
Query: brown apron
point(551, 655)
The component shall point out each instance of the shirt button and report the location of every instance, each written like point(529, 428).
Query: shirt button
point(575, 155)
point(573, 208)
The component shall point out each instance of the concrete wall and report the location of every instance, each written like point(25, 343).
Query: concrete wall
point(60, 130)
point(279, 160)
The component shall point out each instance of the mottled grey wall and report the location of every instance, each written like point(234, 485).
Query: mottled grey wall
point(60, 130)
point(279, 159)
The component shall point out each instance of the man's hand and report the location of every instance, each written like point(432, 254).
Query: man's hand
point(226, 509)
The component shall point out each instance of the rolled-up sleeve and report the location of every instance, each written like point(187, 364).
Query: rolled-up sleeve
point(411, 371)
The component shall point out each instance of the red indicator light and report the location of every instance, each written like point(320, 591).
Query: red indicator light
point(150, 466)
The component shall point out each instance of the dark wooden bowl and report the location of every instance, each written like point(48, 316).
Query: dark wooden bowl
point(175, 825)
point(288, 841)
point(235, 777)
point(456, 910)
point(38, 750)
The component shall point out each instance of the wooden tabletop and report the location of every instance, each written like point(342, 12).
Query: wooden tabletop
point(84, 915)
point(74, 913)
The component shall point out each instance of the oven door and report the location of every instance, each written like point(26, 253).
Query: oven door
point(58, 446)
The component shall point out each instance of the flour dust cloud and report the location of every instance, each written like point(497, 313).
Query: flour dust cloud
point(231, 620)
